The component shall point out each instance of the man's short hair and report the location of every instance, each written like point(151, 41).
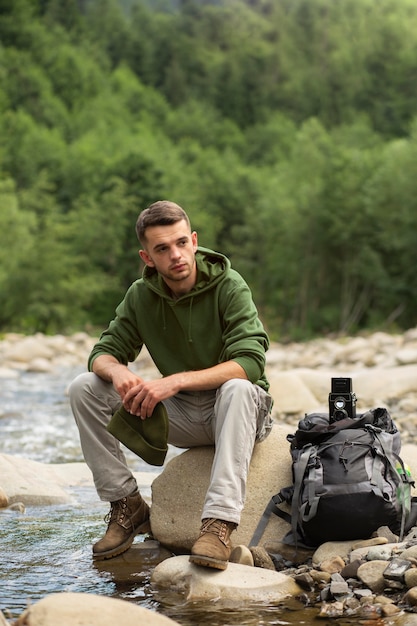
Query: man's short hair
point(161, 213)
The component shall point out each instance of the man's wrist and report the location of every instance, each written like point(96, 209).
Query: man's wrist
point(114, 368)
point(107, 367)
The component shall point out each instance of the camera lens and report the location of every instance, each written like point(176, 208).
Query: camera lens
point(340, 411)
point(339, 403)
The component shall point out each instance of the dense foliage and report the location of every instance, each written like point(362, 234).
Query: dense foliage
point(286, 128)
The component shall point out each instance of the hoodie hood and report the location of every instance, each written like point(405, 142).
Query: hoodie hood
point(211, 269)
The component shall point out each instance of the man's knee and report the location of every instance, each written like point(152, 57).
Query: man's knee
point(238, 395)
point(239, 386)
point(79, 385)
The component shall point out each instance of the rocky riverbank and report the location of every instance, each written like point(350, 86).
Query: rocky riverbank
point(358, 580)
point(379, 350)
point(383, 368)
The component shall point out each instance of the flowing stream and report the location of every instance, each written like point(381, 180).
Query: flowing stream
point(47, 549)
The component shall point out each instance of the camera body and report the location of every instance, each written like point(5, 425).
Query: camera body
point(342, 400)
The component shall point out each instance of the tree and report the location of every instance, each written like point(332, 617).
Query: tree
point(16, 245)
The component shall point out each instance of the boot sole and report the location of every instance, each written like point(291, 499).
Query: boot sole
point(123, 547)
point(207, 561)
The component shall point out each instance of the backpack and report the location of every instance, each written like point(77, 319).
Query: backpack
point(348, 480)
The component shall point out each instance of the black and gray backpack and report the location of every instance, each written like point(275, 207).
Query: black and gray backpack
point(348, 480)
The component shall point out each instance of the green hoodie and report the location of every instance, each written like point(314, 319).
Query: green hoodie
point(215, 322)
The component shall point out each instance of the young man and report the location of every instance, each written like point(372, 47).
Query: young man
point(197, 319)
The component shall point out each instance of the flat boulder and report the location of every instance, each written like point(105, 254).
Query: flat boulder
point(238, 583)
point(30, 482)
point(68, 609)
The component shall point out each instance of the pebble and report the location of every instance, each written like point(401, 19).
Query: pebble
point(242, 555)
point(336, 564)
point(379, 553)
point(390, 609)
point(373, 541)
point(411, 596)
point(261, 558)
point(372, 575)
point(338, 586)
point(410, 552)
point(410, 578)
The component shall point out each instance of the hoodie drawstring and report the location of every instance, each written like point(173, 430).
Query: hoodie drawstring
point(164, 319)
point(190, 339)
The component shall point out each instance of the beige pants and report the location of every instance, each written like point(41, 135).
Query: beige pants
point(231, 418)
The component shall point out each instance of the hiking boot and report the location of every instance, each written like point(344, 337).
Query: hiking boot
point(127, 517)
point(213, 547)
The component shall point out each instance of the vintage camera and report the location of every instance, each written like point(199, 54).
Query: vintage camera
point(342, 400)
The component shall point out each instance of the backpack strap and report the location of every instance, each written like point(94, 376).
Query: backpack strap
point(402, 479)
point(306, 460)
point(272, 507)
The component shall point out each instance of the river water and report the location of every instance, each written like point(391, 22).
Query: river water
point(47, 549)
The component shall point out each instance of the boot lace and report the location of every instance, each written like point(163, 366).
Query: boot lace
point(117, 513)
point(217, 527)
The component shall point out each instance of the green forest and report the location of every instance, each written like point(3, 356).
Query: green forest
point(287, 129)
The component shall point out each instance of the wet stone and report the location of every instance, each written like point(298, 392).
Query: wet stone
point(241, 554)
point(370, 611)
point(411, 551)
point(388, 610)
point(305, 581)
point(363, 593)
point(367, 543)
point(339, 587)
point(325, 594)
point(372, 575)
point(352, 604)
point(379, 553)
point(385, 532)
point(335, 609)
point(351, 569)
point(336, 564)
point(320, 577)
point(396, 569)
point(411, 597)
point(261, 558)
point(410, 578)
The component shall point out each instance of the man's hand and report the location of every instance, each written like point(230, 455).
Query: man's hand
point(124, 380)
point(142, 398)
point(108, 368)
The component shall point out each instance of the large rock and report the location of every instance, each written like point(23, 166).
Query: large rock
point(291, 394)
point(376, 386)
point(28, 348)
point(30, 482)
point(34, 484)
point(307, 390)
point(238, 583)
point(69, 609)
point(178, 493)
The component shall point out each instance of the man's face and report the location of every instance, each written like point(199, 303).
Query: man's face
point(171, 251)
